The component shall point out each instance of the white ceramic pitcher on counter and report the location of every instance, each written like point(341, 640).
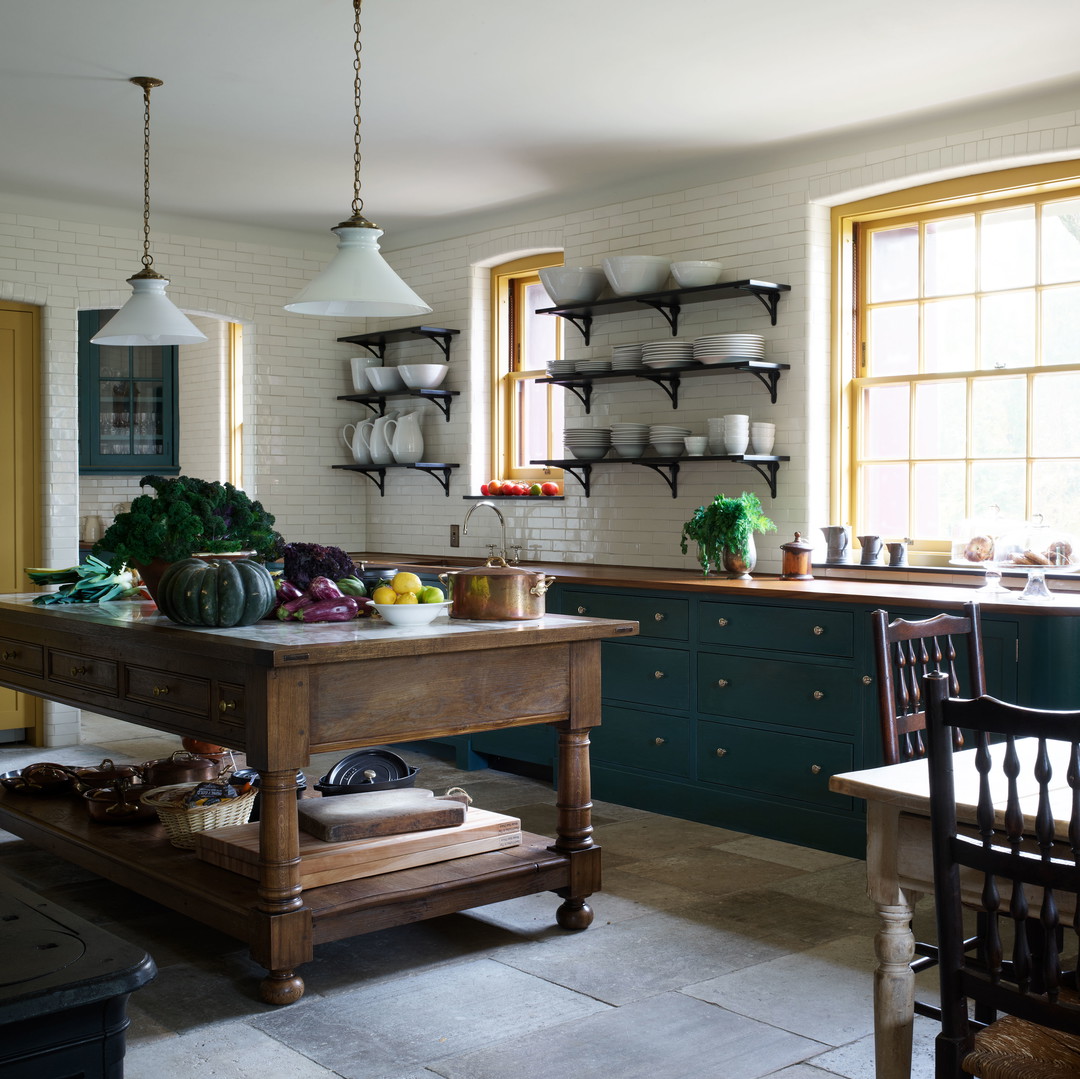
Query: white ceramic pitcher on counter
point(350, 433)
point(406, 441)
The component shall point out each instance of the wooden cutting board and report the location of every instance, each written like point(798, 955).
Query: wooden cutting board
point(344, 817)
point(236, 848)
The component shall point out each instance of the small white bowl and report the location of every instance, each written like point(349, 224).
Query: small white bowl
point(630, 274)
point(422, 376)
point(385, 379)
point(411, 614)
point(696, 274)
point(573, 284)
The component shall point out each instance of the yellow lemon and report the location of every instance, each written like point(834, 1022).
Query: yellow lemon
point(384, 594)
point(407, 597)
point(406, 582)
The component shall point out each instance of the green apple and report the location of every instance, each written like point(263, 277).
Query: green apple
point(431, 594)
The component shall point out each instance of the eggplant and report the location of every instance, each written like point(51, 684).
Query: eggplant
point(323, 588)
point(286, 591)
point(341, 609)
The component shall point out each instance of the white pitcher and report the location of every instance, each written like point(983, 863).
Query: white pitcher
point(373, 434)
point(351, 434)
point(406, 441)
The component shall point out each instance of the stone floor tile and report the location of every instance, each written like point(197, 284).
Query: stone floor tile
point(712, 871)
point(856, 1059)
point(653, 835)
point(843, 885)
point(772, 850)
point(666, 1037)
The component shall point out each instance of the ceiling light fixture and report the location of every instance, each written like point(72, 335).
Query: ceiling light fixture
point(149, 317)
point(358, 282)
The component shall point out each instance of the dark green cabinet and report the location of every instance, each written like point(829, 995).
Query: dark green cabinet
point(128, 405)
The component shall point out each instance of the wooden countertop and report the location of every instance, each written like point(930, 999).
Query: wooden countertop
point(821, 590)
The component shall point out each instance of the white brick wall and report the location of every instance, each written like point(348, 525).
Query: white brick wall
point(773, 226)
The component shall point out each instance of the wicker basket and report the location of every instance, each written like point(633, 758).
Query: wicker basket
point(182, 822)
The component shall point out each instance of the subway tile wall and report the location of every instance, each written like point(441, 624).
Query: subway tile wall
point(773, 225)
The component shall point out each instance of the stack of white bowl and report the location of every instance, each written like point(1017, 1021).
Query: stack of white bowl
point(592, 367)
point(664, 355)
point(667, 440)
point(587, 443)
point(763, 436)
point(725, 347)
point(715, 428)
point(736, 433)
point(561, 368)
point(626, 358)
point(629, 439)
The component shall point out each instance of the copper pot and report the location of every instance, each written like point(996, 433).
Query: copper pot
point(106, 774)
point(181, 767)
point(496, 592)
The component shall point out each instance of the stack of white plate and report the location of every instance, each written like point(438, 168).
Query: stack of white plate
point(667, 440)
point(592, 367)
point(626, 358)
point(629, 439)
point(666, 355)
point(560, 368)
point(587, 443)
point(725, 347)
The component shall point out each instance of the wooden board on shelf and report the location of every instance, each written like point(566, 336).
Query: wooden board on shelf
point(236, 848)
point(346, 817)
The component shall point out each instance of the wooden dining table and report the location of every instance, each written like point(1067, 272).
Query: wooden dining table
point(899, 869)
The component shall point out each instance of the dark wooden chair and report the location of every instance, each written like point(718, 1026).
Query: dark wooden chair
point(905, 652)
point(1021, 869)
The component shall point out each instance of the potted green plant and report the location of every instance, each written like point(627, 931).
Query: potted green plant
point(724, 533)
point(187, 516)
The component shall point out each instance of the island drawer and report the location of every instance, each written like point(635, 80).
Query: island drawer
point(18, 656)
point(640, 674)
point(164, 689)
point(663, 618)
point(790, 629)
point(651, 741)
point(88, 672)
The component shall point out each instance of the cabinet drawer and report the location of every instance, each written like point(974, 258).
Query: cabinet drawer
point(793, 694)
point(768, 762)
point(230, 707)
point(73, 669)
point(643, 675)
point(790, 629)
point(664, 618)
point(652, 741)
point(17, 656)
point(164, 689)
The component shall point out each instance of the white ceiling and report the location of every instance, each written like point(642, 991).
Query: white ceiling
point(476, 108)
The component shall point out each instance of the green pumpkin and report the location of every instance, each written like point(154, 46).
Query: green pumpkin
point(216, 592)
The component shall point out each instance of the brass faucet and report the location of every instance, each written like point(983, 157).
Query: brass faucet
point(498, 513)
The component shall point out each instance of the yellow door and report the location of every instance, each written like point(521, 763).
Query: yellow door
point(20, 485)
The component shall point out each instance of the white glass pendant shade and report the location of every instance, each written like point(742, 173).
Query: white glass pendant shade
point(358, 283)
point(148, 318)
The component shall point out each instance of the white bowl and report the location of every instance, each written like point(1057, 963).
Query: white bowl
point(630, 274)
point(422, 376)
point(411, 614)
point(696, 274)
point(588, 453)
point(573, 284)
point(385, 379)
point(668, 449)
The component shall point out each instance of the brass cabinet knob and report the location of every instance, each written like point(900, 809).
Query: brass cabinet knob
point(723, 683)
point(658, 617)
point(867, 680)
point(8, 655)
point(658, 674)
point(721, 752)
point(161, 691)
point(225, 706)
point(818, 695)
point(721, 621)
point(76, 671)
point(659, 741)
point(818, 630)
point(582, 610)
point(815, 768)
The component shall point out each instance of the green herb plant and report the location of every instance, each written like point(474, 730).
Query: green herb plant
point(185, 516)
point(725, 524)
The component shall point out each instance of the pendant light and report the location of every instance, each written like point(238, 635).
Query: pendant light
point(358, 282)
point(149, 317)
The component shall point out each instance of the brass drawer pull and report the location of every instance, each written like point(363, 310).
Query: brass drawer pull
point(818, 630)
point(76, 671)
point(721, 621)
point(658, 617)
point(815, 768)
point(723, 683)
point(161, 691)
point(658, 674)
point(721, 752)
point(818, 695)
point(9, 655)
point(583, 610)
point(659, 741)
point(867, 680)
point(225, 706)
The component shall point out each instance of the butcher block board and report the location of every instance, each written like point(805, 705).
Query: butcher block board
point(344, 817)
point(236, 848)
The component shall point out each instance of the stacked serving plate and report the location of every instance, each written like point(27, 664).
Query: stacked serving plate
point(725, 347)
point(626, 358)
point(629, 439)
point(593, 367)
point(561, 368)
point(668, 355)
point(667, 440)
point(587, 443)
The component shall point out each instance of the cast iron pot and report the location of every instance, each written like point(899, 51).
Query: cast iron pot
point(497, 592)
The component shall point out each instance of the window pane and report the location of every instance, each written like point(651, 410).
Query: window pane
point(1008, 330)
point(999, 417)
point(540, 331)
point(894, 341)
point(949, 265)
point(940, 419)
point(1055, 493)
point(1061, 241)
point(1061, 325)
point(1000, 484)
point(949, 335)
point(884, 499)
point(894, 262)
point(531, 403)
point(1007, 248)
point(147, 361)
point(885, 421)
point(939, 499)
point(1055, 415)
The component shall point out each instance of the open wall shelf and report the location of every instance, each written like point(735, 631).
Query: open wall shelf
point(377, 473)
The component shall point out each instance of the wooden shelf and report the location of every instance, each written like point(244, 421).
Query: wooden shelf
point(377, 401)
point(377, 341)
point(377, 473)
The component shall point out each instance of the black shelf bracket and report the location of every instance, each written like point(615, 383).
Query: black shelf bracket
point(377, 401)
point(766, 469)
point(669, 309)
point(669, 383)
point(768, 379)
point(769, 300)
point(668, 470)
point(582, 323)
point(377, 473)
point(377, 341)
point(574, 467)
point(435, 470)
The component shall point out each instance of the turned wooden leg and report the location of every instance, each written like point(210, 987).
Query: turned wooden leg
point(281, 987)
point(894, 992)
point(574, 914)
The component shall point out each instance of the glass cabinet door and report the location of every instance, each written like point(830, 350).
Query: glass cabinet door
point(128, 419)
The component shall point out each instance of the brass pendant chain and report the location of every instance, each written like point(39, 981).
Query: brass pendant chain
point(357, 202)
point(147, 259)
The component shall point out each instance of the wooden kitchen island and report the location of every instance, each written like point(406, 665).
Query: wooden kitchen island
point(281, 691)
